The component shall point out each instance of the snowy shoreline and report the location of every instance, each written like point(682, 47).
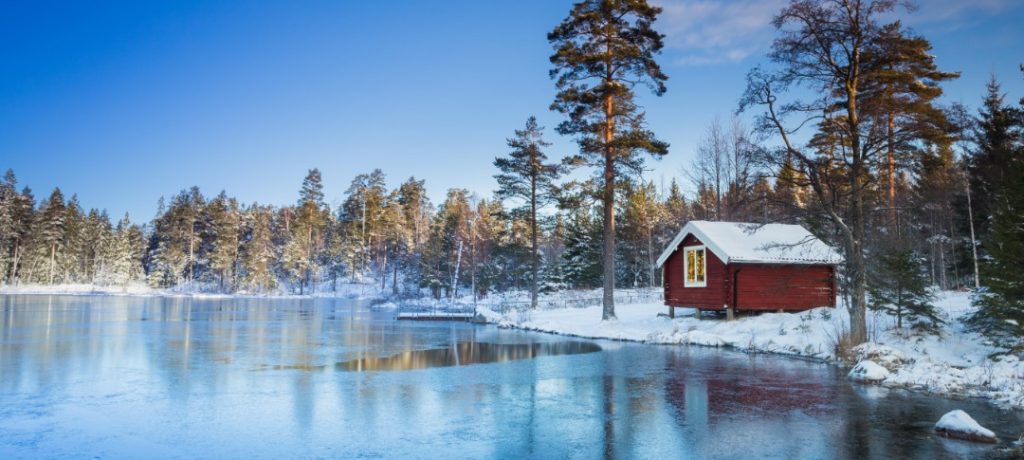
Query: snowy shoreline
point(954, 363)
point(346, 291)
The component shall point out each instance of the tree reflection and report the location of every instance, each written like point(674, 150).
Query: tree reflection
point(463, 354)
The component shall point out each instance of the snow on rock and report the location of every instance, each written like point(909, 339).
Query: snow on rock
point(957, 424)
point(868, 372)
point(886, 356)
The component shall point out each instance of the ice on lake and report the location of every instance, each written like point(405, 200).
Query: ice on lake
point(152, 377)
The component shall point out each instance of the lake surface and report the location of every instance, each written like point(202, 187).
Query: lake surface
point(148, 377)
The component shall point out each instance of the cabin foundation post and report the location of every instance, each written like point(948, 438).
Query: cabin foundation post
point(729, 316)
point(671, 312)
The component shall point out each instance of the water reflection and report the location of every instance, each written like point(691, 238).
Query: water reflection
point(464, 354)
point(117, 377)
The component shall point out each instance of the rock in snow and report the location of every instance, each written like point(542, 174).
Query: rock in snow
point(957, 424)
point(868, 372)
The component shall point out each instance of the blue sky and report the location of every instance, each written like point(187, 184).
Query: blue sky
point(122, 102)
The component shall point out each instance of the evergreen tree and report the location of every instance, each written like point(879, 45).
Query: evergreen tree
point(122, 255)
point(71, 262)
point(997, 136)
point(602, 50)
point(48, 230)
point(525, 175)
point(900, 287)
point(95, 253)
point(901, 90)
point(225, 223)
point(641, 215)
point(301, 252)
point(451, 237)
point(361, 215)
point(416, 217)
point(258, 250)
point(581, 266)
point(8, 224)
point(1001, 164)
point(22, 215)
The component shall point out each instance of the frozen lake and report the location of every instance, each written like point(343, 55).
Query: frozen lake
point(141, 377)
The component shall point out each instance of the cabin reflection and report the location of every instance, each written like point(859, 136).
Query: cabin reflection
point(465, 353)
point(761, 390)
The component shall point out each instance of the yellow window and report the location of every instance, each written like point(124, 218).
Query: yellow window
point(696, 266)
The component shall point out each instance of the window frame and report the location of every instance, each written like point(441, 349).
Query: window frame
point(686, 266)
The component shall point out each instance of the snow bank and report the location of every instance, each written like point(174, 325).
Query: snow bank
point(868, 372)
point(79, 289)
point(957, 424)
point(806, 334)
point(955, 362)
point(195, 290)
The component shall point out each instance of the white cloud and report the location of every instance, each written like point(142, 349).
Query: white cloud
point(710, 32)
point(707, 32)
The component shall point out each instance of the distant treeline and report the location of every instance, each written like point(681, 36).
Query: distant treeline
point(400, 240)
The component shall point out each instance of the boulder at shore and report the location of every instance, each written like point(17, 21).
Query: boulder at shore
point(868, 372)
point(958, 425)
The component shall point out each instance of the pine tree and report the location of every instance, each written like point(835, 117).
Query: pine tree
point(225, 221)
point(416, 215)
point(997, 136)
point(95, 256)
point(1001, 302)
point(70, 263)
point(900, 287)
point(602, 50)
point(122, 255)
point(901, 90)
point(49, 230)
point(8, 225)
point(23, 215)
point(821, 70)
point(258, 250)
point(302, 251)
point(642, 214)
point(361, 216)
point(525, 175)
point(581, 261)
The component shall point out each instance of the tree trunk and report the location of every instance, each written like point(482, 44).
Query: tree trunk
point(650, 255)
point(53, 256)
point(14, 264)
point(394, 279)
point(534, 289)
point(608, 299)
point(974, 242)
point(891, 160)
point(856, 259)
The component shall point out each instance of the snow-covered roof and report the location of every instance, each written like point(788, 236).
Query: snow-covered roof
point(736, 242)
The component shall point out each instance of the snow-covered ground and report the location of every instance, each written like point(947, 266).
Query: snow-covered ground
point(342, 290)
point(955, 362)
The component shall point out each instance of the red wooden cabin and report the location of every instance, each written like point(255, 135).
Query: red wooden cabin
point(730, 266)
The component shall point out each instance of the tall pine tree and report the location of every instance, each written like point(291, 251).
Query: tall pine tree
point(526, 175)
point(602, 51)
